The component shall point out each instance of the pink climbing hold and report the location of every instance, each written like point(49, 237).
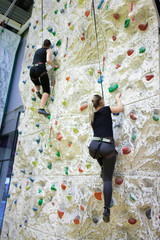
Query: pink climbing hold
point(126, 150)
point(149, 77)
point(132, 221)
point(130, 52)
point(142, 26)
point(60, 213)
point(98, 195)
point(59, 137)
point(114, 38)
point(118, 65)
point(85, 105)
point(80, 168)
point(132, 116)
point(118, 180)
point(63, 186)
point(116, 16)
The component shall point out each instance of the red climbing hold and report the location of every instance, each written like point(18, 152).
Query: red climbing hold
point(130, 52)
point(85, 105)
point(60, 214)
point(98, 195)
point(76, 221)
point(126, 150)
point(142, 26)
point(114, 38)
point(149, 77)
point(118, 65)
point(99, 71)
point(87, 12)
point(82, 207)
point(132, 221)
point(116, 16)
point(80, 168)
point(59, 137)
point(69, 24)
point(63, 186)
point(29, 54)
point(33, 90)
point(132, 116)
point(65, 55)
point(118, 180)
point(37, 22)
point(67, 78)
point(56, 122)
point(82, 37)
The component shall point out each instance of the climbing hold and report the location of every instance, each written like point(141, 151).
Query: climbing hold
point(15, 184)
point(155, 117)
point(56, 11)
point(99, 71)
point(58, 154)
point(149, 77)
point(53, 187)
point(69, 144)
point(31, 179)
point(15, 202)
point(76, 221)
point(65, 5)
point(80, 1)
point(8, 195)
point(63, 186)
point(33, 90)
point(66, 170)
point(113, 88)
point(58, 43)
point(118, 180)
point(142, 50)
point(126, 150)
point(132, 221)
point(34, 209)
point(98, 195)
point(40, 150)
point(69, 197)
point(82, 207)
point(34, 163)
point(100, 4)
point(32, 46)
point(37, 125)
point(62, 10)
point(58, 0)
point(148, 213)
point(67, 78)
point(71, 27)
point(40, 190)
point(116, 16)
point(69, 24)
point(142, 26)
point(40, 202)
point(26, 221)
point(12, 174)
point(130, 52)
point(132, 197)
point(60, 213)
point(132, 116)
point(52, 99)
point(59, 136)
point(100, 80)
point(54, 33)
point(87, 12)
point(28, 187)
point(55, 69)
point(114, 38)
point(88, 165)
point(75, 130)
point(49, 165)
point(118, 65)
point(34, 27)
point(91, 71)
point(85, 105)
point(133, 136)
point(80, 168)
point(126, 23)
point(49, 117)
point(82, 37)
point(55, 53)
point(44, 17)
point(64, 103)
point(56, 122)
point(95, 220)
point(23, 171)
point(38, 140)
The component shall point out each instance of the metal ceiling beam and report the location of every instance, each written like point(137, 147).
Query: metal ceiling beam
point(11, 23)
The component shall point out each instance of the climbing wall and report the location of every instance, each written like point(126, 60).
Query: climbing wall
point(56, 189)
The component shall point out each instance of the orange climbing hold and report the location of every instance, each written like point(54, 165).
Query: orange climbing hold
point(99, 71)
point(82, 37)
point(59, 137)
point(56, 122)
point(80, 168)
point(132, 221)
point(132, 116)
point(149, 77)
point(67, 78)
point(142, 26)
point(118, 180)
point(87, 12)
point(98, 195)
point(118, 65)
point(82, 207)
point(60, 214)
point(76, 221)
point(63, 186)
point(65, 55)
point(126, 150)
point(130, 52)
point(69, 144)
point(85, 105)
point(116, 16)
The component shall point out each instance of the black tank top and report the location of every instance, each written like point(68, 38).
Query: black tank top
point(40, 55)
point(102, 124)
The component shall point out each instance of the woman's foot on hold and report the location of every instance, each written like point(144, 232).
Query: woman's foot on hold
point(106, 215)
point(39, 95)
point(42, 111)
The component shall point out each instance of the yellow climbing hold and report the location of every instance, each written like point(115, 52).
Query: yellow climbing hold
point(69, 197)
point(75, 130)
point(28, 187)
point(91, 71)
point(88, 165)
point(64, 103)
point(32, 108)
point(42, 134)
point(45, 16)
point(80, 1)
point(35, 163)
point(71, 27)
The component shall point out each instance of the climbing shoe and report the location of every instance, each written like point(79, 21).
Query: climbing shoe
point(106, 215)
point(39, 95)
point(42, 111)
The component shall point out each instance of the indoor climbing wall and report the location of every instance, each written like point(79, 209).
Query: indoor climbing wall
point(56, 189)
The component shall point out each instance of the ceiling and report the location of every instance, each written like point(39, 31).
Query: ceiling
point(17, 19)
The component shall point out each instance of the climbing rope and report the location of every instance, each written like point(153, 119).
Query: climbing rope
point(97, 45)
point(42, 18)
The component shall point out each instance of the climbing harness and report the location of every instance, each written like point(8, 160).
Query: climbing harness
point(101, 77)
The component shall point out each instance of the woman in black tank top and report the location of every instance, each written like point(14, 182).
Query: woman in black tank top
point(102, 146)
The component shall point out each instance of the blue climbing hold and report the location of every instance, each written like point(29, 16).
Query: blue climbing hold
point(24, 82)
point(15, 202)
point(28, 66)
point(52, 46)
point(29, 24)
point(8, 195)
point(55, 53)
point(100, 4)
point(52, 99)
point(111, 204)
point(26, 221)
point(27, 46)
point(34, 27)
point(15, 184)
point(40, 150)
point(31, 179)
point(116, 114)
point(23, 171)
point(100, 80)
point(12, 174)
point(34, 209)
point(32, 46)
point(50, 29)
point(62, 10)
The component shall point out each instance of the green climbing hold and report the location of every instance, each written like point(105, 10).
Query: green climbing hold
point(132, 197)
point(38, 140)
point(56, 11)
point(40, 190)
point(55, 69)
point(58, 43)
point(66, 170)
point(34, 99)
point(142, 50)
point(107, 7)
point(50, 145)
point(49, 117)
point(58, 154)
point(54, 33)
point(113, 88)
point(133, 136)
point(155, 117)
point(126, 23)
point(65, 5)
point(40, 202)
point(53, 188)
point(49, 165)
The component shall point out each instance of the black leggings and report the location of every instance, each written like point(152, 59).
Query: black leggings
point(100, 150)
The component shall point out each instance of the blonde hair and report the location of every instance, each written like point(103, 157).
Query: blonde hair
point(93, 105)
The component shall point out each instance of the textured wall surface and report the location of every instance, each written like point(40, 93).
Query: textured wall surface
point(55, 186)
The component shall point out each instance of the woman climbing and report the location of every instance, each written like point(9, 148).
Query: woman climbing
point(102, 146)
point(38, 73)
